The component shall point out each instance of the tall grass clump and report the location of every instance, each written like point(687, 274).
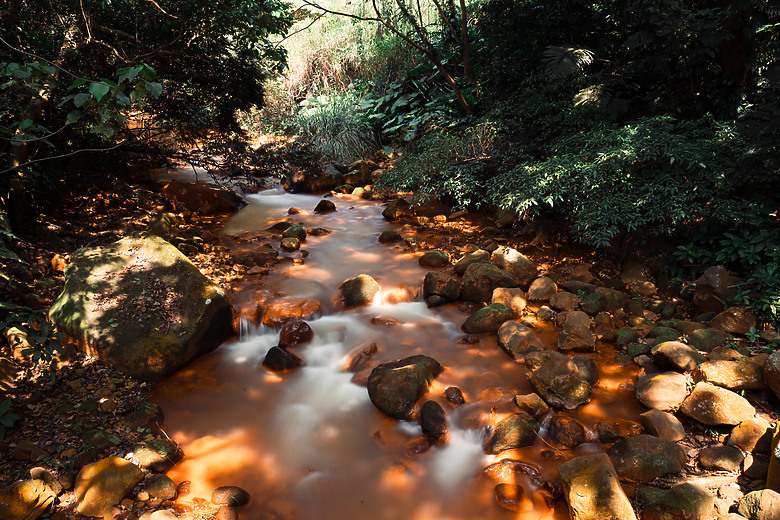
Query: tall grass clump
point(334, 126)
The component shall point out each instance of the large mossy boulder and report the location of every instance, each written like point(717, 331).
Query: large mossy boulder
point(592, 489)
point(141, 305)
point(643, 458)
point(557, 379)
point(516, 431)
point(395, 387)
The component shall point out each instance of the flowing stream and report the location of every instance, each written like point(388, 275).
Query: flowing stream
point(309, 445)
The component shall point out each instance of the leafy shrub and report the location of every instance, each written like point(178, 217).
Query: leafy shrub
point(449, 166)
point(43, 342)
point(654, 173)
point(7, 418)
point(334, 126)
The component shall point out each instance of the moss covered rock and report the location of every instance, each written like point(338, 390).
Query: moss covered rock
point(141, 305)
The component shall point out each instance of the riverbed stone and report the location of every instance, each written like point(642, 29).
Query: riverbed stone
point(480, 280)
point(104, 484)
point(433, 421)
point(665, 391)
point(714, 289)
point(566, 431)
point(435, 258)
point(773, 472)
point(643, 458)
point(771, 372)
point(325, 206)
point(516, 431)
point(160, 486)
point(662, 425)
point(734, 320)
point(564, 301)
point(487, 319)
point(517, 340)
point(576, 337)
point(522, 269)
point(614, 299)
point(141, 305)
point(753, 435)
point(295, 231)
point(473, 257)
point(760, 505)
point(25, 500)
point(282, 310)
point(721, 458)
point(397, 209)
point(439, 288)
point(290, 244)
point(592, 489)
point(542, 289)
point(557, 379)
point(158, 455)
point(532, 404)
point(281, 360)
point(713, 406)
point(359, 290)
point(202, 197)
point(707, 340)
point(230, 496)
point(626, 336)
point(684, 501)
point(512, 497)
point(389, 236)
point(674, 355)
point(396, 386)
point(294, 333)
point(589, 371)
point(740, 374)
point(593, 303)
point(512, 297)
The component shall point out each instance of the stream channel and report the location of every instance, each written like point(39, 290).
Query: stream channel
point(310, 445)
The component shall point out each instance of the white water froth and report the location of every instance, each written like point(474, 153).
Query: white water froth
point(456, 463)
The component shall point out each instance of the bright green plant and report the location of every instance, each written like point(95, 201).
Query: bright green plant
point(7, 418)
point(335, 127)
point(43, 342)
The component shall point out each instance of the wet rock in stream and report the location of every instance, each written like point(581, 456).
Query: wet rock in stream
point(294, 333)
point(280, 360)
point(359, 290)
point(557, 379)
point(592, 489)
point(440, 288)
point(516, 431)
point(395, 387)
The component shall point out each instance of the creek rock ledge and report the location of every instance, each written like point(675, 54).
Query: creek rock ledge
point(592, 489)
point(141, 305)
point(396, 386)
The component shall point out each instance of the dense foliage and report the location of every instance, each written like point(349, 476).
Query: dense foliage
point(85, 76)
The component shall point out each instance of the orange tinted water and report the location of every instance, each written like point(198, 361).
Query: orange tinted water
point(310, 445)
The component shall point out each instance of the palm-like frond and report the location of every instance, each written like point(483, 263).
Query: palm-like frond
point(566, 61)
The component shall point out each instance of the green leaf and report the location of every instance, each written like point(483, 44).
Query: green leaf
point(98, 89)
point(73, 116)
point(80, 99)
point(154, 88)
point(104, 129)
point(5, 406)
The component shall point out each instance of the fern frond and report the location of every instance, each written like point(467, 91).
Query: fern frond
point(566, 61)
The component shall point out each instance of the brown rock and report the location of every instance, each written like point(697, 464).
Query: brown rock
point(280, 311)
point(542, 289)
point(533, 404)
point(513, 298)
point(644, 457)
point(772, 372)
point(673, 355)
point(735, 320)
point(742, 374)
point(720, 458)
point(664, 391)
point(102, 485)
point(663, 425)
point(295, 332)
point(517, 340)
point(592, 489)
point(714, 289)
point(753, 435)
point(512, 497)
point(25, 500)
point(567, 432)
point(712, 405)
point(564, 301)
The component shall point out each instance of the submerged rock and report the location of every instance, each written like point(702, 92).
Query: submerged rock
point(281, 360)
point(141, 305)
point(592, 489)
point(397, 209)
point(295, 332)
point(325, 206)
point(279, 312)
point(395, 387)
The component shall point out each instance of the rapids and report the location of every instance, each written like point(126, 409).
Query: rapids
point(309, 445)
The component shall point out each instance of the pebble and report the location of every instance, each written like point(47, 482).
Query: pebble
point(230, 496)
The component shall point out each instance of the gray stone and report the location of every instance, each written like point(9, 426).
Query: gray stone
point(487, 319)
point(517, 340)
point(721, 458)
point(480, 280)
point(516, 431)
point(395, 387)
point(442, 285)
point(521, 268)
point(673, 355)
point(358, 290)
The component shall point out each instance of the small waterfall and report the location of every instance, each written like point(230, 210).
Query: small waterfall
point(245, 329)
